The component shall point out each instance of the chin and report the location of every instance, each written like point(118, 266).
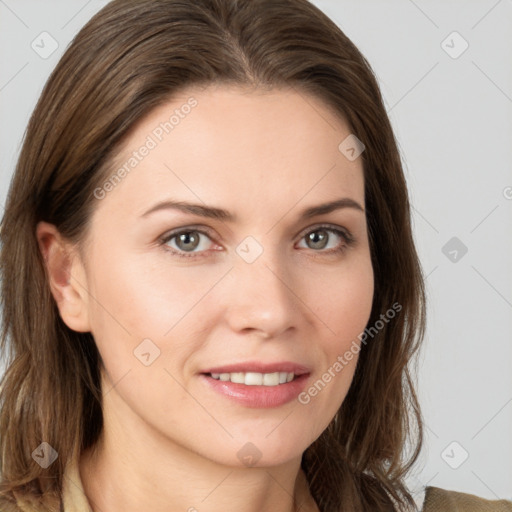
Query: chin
point(261, 450)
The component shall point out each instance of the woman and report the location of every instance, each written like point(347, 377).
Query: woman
point(265, 367)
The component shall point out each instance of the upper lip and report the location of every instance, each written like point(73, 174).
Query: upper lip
point(259, 367)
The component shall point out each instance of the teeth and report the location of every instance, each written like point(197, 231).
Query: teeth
point(237, 378)
point(254, 378)
point(271, 379)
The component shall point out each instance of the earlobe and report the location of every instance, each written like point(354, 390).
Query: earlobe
point(66, 276)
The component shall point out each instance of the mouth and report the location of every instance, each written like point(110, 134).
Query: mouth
point(258, 385)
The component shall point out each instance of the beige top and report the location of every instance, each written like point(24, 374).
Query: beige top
point(73, 494)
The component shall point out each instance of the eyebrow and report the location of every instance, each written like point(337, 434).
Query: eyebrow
point(212, 212)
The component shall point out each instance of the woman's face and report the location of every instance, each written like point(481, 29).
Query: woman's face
point(200, 311)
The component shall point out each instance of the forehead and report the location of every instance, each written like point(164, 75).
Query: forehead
point(226, 144)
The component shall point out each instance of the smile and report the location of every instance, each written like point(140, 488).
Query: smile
point(257, 384)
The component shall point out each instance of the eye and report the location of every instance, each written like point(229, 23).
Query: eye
point(186, 241)
point(328, 239)
point(190, 242)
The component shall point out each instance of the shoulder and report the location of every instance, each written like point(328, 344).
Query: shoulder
point(442, 500)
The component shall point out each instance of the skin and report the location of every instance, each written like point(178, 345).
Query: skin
point(169, 442)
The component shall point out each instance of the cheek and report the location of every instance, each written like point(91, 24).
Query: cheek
point(145, 299)
point(343, 304)
point(134, 299)
point(343, 298)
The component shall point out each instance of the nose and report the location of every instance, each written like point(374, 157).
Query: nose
point(261, 297)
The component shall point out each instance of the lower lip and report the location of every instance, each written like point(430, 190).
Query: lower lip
point(258, 396)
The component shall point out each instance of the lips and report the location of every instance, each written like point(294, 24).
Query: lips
point(256, 384)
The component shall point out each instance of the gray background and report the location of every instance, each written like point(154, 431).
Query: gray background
point(451, 111)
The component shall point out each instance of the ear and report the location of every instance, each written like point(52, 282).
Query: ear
point(66, 276)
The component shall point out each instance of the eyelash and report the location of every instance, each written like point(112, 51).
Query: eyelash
point(343, 234)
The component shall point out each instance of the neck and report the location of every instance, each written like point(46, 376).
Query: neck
point(132, 467)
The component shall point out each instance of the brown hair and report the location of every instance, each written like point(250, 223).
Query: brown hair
point(130, 57)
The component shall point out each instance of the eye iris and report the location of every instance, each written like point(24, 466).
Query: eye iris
point(187, 238)
point(318, 238)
